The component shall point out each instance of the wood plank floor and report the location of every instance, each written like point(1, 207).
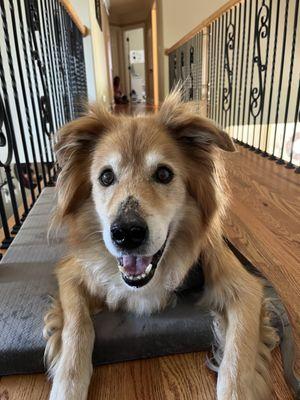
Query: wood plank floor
point(263, 223)
point(180, 377)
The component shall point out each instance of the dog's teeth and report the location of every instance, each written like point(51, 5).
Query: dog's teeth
point(148, 269)
point(122, 269)
point(143, 275)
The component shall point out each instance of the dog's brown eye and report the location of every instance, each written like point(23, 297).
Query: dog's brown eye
point(107, 177)
point(163, 175)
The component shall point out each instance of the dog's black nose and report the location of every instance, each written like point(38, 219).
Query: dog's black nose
point(129, 235)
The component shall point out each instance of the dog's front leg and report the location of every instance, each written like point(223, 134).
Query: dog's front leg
point(237, 369)
point(73, 369)
point(243, 331)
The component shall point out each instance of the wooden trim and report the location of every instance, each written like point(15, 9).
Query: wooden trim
point(155, 54)
point(70, 10)
point(202, 25)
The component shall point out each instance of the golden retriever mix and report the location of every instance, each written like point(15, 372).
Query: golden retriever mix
point(143, 197)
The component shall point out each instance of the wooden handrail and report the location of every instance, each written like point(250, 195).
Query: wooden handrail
point(202, 25)
point(70, 10)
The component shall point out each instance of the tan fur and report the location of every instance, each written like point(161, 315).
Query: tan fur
point(193, 206)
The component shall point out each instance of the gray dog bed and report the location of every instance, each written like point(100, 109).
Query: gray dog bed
point(27, 281)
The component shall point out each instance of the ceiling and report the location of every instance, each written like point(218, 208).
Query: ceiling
point(125, 12)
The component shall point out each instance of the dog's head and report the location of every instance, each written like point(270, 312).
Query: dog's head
point(145, 177)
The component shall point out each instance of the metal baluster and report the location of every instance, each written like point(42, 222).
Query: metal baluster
point(290, 164)
point(66, 35)
point(287, 103)
point(236, 64)
point(13, 139)
point(265, 33)
point(62, 70)
point(217, 49)
point(245, 142)
point(31, 24)
point(66, 64)
point(228, 66)
point(191, 92)
point(31, 92)
point(251, 84)
point(213, 65)
point(6, 164)
point(26, 105)
point(208, 99)
point(44, 43)
point(233, 48)
point(201, 65)
point(265, 153)
point(241, 71)
point(57, 63)
point(217, 116)
point(181, 69)
point(16, 99)
point(222, 72)
point(281, 77)
point(45, 100)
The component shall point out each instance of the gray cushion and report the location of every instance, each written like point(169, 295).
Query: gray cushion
point(27, 281)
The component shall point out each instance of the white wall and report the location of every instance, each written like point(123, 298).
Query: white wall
point(100, 42)
point(176, 19)
point(180, 17)
point(95, 52)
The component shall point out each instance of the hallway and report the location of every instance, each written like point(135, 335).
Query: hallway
point(272, 248)
point(238, 62)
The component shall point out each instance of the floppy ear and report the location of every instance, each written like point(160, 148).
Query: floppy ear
point(74, 148)
point(197, 137)
point(189, 127)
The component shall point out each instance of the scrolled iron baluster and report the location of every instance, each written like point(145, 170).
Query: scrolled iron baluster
point(262, 32)
point(228, 66)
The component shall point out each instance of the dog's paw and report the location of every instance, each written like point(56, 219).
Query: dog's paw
point(70, 384)
point(69, 390)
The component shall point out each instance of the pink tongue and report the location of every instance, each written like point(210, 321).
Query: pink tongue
point(136, 265)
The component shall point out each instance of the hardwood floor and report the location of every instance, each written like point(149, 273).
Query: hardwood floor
point(263, 223)
point(180, 377)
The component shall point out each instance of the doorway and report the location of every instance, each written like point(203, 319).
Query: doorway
point(135, 79)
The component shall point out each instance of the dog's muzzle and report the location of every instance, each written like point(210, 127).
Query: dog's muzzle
point(137, 271)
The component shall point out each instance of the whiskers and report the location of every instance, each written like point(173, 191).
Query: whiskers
point(91, 234)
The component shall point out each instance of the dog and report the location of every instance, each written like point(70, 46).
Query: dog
point(143, 198)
